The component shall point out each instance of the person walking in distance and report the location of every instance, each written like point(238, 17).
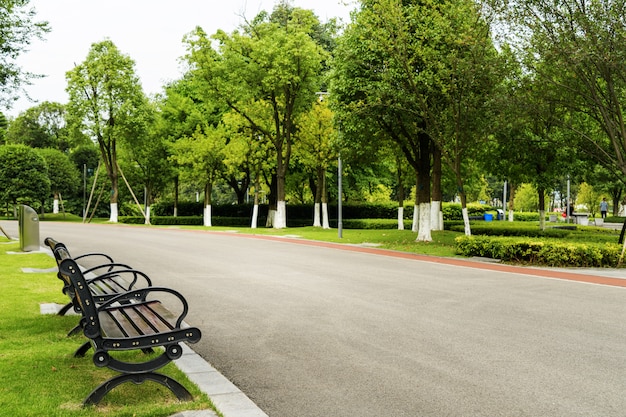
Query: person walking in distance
point(604, 207)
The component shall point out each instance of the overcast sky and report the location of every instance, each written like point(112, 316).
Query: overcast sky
point(149, 31)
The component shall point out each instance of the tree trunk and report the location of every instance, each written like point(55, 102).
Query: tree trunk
point(176, 183)
point(512, 202)
point(207, 204)
point(55, 204)
point(542, 208)
point(423, 189)
point(319, 189)
point(436, 214)
point(416, 206)
point(325, 219)
point(400, 196)
point(114, 195)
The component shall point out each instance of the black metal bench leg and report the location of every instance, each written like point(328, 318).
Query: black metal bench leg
point(104, 388)
point(75, 330)
point(65, 309)
point(82, 350)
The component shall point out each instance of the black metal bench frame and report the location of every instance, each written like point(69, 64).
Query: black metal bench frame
point(130, 321)
point(103, 285)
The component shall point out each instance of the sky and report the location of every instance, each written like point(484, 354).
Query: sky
point(149, 31)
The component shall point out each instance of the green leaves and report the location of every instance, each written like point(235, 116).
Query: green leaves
point(24, 175)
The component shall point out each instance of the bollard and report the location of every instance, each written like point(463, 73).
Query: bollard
point(28, 228)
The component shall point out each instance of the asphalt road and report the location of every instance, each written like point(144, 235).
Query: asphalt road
point(311, 331)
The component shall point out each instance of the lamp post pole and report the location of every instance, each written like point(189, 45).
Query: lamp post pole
point(339, 208)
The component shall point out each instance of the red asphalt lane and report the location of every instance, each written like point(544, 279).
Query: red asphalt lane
point(544, 273)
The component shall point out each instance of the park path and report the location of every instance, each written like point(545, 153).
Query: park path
point(307, 330)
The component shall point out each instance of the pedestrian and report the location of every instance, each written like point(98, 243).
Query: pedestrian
point(604, 207)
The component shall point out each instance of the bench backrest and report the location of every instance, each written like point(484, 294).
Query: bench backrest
point(70, 271)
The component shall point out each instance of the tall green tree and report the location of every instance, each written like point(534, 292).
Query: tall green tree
point(268, 73)
point(202, 156)
point(577, 51)
point(316, 149)
point(107, 103)
point(421, 72)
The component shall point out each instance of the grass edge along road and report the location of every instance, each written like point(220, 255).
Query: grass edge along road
point(42, 377)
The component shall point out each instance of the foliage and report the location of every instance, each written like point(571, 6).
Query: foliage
point(526, 198)
point(63, 175)
point(41, 126)
point(18, 29)
point(107, 103)
point(540, 251)
point(268, 74)
point(23, 175)
point(588, 197)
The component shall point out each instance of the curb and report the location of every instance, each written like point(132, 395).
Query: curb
point(224, 395)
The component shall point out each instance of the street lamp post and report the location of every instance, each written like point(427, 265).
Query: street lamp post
point(339, 208)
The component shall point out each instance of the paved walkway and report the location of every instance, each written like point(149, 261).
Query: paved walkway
point(231, 402)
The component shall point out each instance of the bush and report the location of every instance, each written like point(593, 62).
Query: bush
point(540, 252)
point(510, 229)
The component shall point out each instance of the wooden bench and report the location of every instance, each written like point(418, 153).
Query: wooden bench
point(106, 280)
point(130, 321)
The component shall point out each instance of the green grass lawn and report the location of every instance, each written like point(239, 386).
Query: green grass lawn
point(41, 376)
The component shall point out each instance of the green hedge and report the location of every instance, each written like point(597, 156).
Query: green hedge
point(540, 252)
point(245, 222)
point(511, 229)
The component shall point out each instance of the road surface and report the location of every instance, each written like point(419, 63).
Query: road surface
point(310, 331)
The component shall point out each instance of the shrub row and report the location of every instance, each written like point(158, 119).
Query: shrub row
point(508, 229)
point(540, 252)
point(451, 211)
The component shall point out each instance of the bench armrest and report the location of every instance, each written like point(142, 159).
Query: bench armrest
point(110, 266)
point(142, 293)
point(94, 254)
point(136, 274)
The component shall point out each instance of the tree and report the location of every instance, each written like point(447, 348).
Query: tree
point(269, 74)
point(106, 102)
point(202, 155)
point(577, 50)
point(18, 29)
point(315, 149)
point(23, 175)
point(63, 175)
point(421, 73)
point(42, 126)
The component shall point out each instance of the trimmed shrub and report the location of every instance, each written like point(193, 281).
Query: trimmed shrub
point(540, 252)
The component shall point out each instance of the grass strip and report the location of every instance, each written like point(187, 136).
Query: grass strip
point(41, 375)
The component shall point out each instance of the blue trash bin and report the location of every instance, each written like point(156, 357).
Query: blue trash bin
point(488, 217)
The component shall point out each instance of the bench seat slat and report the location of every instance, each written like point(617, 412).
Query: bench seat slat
point(113, 285)
point(136, 320)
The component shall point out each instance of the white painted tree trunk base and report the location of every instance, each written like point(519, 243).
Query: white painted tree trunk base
point(255, 216)
point(416, 216)
point(207, 216)
point(280, 221)
point(114, 215)
point(325, 221)
point(423, 234)
point(147, 215)
point(436, 216)
point(466, 223)
point(55, 206)
point(316, 215)
point(400, 218)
